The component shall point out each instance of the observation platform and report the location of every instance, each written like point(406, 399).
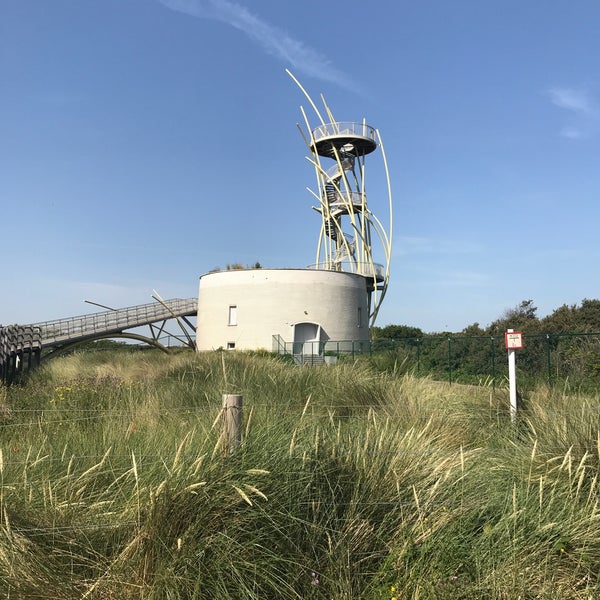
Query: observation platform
point(344, 139)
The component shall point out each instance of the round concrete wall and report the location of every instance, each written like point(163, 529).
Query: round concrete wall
point(244, 309)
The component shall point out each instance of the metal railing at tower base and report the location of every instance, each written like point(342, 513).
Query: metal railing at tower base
point(319, 352)
point(373, 270)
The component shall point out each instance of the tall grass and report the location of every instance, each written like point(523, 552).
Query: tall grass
point(349, 484)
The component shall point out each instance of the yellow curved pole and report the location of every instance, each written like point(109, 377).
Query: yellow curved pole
point(307, 95)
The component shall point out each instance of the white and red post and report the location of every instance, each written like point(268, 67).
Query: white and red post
point(513, 341)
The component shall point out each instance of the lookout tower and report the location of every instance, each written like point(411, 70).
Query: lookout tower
point(352, 239)
point(330, 304)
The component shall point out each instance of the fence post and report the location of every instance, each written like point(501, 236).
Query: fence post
point(450, 360)
point(493, 348)
point(232, 421)
point(548, 361)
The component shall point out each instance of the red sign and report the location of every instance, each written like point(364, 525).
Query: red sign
point(513, 340)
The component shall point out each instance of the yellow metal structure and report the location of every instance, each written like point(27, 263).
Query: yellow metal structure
point(351, 235)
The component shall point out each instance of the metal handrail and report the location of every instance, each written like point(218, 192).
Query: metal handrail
point(342, 200)
point(320, 347)
point(114, 320)
point(374, 270)
point(342, 129)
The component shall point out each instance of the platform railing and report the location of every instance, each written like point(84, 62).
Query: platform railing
point(344, 128)
point(374, 270)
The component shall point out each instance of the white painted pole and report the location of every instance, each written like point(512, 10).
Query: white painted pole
point(512, 381)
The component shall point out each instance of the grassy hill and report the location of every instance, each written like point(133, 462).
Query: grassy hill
point(349, 484)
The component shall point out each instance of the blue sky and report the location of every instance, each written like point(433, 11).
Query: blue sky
point(146, 142)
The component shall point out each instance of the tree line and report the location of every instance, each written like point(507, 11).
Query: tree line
point(574, 318)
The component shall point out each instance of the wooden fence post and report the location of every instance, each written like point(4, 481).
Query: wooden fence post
point(232, 421)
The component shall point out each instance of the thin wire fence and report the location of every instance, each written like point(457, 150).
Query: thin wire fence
point(456, 359)
point(16, 466)
point(59, 495)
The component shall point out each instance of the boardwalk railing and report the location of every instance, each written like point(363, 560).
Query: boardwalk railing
point(113, 321)
point(21, 345)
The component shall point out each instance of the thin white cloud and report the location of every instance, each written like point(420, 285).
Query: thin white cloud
point(583, 109)
point(574, 133)
point(578, 101)
point(271, 39)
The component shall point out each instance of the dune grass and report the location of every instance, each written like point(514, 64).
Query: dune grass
point(348, 484)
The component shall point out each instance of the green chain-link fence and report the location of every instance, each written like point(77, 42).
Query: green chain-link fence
point(572, 358)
